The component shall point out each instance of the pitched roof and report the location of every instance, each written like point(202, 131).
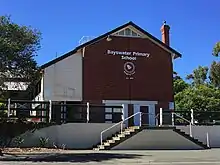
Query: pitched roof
point(105, 35)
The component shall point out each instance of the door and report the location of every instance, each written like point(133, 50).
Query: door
point(145, 115)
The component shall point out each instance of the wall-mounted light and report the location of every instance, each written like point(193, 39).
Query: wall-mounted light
point(108, 38)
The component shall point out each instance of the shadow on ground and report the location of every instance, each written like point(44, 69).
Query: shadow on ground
point(74, 157)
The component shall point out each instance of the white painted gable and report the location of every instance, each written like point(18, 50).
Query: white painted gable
point(129, 31)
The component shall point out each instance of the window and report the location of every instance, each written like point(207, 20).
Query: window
point(127, 32)
point(121, 33)
point(108, 116)
point(133, 33)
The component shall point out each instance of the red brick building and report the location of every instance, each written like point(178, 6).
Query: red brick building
point(124, 66)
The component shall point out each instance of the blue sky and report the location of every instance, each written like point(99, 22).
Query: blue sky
point(195, 25)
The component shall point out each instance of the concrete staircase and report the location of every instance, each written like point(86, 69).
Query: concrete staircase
point(187, 136)
point(131, 131)
point(118, 138)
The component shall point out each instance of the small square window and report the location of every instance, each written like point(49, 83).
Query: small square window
point(117, 110)
point(108, 109)
point(108, 116)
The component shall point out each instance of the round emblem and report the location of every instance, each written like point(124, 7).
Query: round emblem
point(129, 68)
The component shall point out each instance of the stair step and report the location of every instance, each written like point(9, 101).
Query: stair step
point(106, 144)
point(126, 133)
point(101, 147)
point(121, 135)
point(111, 141)
point(130, 130)
point(135, 127)
point(196, 141)
point(116, 138)
point(96, 149)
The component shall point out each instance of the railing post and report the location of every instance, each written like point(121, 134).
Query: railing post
point(173, 122)
point(190, 129)
point(161, 116)
point(123, 112)
point(9, 106)
point(50, 110)
point(207, 139)
point(64, 109)
point(140, 119)
point(122, 126)
point(192, 116)
point(101, 139)
point(87, 110)
point(122, 117)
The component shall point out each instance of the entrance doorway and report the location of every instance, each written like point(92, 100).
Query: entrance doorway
point(145, 115)
point(130, 112)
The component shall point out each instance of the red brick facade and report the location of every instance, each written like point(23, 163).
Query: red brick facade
point(104, 77)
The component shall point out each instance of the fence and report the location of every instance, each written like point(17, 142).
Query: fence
point(197, 117)
point(59, 112)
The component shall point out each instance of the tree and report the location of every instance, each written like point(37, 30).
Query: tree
point(199, 76)
point(179, 85)
point(216, 49)
point(201, 98)
point(214, 74)
point(18, 47)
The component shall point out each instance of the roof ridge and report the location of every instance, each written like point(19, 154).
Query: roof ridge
point(105, 35)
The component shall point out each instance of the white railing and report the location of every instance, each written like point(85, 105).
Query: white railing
point(121, 124)
point(190, 123)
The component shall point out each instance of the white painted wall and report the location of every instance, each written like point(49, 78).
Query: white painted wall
point(73, 135)
point(63, 80)
point(156, 139)
point(199, 132)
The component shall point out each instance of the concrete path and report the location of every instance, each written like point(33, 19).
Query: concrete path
point(186, 157)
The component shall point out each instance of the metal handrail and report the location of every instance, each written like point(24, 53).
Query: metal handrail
point(121, 122)
point(181, 117)
point(190, 123)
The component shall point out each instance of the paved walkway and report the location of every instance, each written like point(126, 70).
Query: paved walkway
point(196, 157)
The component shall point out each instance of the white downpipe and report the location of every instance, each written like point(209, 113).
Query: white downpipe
point(161, 116)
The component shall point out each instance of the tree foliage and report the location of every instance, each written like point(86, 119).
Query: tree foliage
point(215, 74)
point(199, 98)
point(18, 47)
point(216, 49)
point(200, 94)
point(199, 75)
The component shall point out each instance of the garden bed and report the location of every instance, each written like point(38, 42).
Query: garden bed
point(30, 150)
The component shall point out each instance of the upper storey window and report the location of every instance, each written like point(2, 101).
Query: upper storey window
point(127, 32)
